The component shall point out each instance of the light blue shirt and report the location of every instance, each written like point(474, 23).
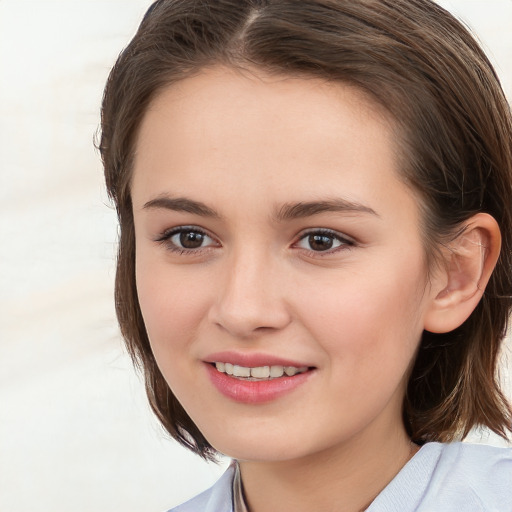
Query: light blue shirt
point(455, 477)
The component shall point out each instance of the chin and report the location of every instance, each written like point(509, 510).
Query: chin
point(255, 452)
point(251, 445)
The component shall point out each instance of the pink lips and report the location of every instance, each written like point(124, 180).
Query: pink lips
point(252, 360)
point(253, 392)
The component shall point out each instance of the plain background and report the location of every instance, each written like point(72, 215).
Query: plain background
point(75, 430)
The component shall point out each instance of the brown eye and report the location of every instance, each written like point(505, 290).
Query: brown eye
point(191, 239)
point(320, 242)
point(186, 238)
point(323, 241)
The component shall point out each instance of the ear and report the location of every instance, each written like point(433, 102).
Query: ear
point(460, 281)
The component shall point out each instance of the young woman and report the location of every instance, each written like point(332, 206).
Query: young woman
point(315, 257)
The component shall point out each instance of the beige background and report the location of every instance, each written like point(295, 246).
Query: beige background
point(75, 430)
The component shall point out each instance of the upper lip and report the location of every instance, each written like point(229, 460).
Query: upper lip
point(252, 360)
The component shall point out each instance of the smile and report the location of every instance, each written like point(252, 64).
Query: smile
point(259, 372)
point(257, 384)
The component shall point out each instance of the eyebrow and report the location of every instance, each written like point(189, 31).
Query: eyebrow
point(299, 210)
point(288, 211)
point(181, 204)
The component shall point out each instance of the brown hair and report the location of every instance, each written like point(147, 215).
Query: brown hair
point(455, 130)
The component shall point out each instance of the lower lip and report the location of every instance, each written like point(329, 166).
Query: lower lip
point(255, 392)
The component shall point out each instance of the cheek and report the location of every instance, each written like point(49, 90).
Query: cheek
point(171, 308)
point(368, 323)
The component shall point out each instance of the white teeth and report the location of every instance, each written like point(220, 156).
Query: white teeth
point(290, 370)
point(276, 371)
point(241, 371)
point(259, 372)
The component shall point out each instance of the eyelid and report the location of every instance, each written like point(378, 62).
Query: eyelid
point(347, 242)
point(165, 239)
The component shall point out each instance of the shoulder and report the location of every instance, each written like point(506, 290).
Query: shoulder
point(451, 477)
point(471, 477)
point(217, 498)
point(491, 457)
point(475, 474)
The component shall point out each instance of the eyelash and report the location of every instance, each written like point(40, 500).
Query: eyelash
point(346, 243)
point(165, 238)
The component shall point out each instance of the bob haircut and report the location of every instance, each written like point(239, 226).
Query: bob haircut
point(453, 127)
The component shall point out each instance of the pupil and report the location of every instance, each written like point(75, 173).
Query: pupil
point(191, 239)
point(320, 242)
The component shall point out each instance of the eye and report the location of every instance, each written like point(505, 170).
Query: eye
point(323, 241)
point(186, 238)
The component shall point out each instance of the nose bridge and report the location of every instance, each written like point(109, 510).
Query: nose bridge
point(250, 297)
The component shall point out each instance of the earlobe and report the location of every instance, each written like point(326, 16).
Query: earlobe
point(460, 281)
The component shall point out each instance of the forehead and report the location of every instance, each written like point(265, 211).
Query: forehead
point(276, 131)
point(251, 94)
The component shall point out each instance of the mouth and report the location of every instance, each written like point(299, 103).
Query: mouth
point(258, 373)
point(257, 383)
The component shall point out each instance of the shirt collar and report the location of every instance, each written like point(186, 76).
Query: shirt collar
point(238, 495)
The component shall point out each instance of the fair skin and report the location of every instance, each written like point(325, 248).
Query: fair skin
point(272, 226)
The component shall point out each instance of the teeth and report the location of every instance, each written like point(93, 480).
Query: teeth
point(276, 371)
point(259, 372)
point(241, 371)
point(290, 370)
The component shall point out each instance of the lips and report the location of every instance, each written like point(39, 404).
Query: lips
point(258, 372)
point(255, 378)
point(252, 360)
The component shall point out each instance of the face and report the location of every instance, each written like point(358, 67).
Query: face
point(276, 241)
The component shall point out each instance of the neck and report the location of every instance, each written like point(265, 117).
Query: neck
point(347, 477)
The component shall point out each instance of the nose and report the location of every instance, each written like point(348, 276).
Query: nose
point(251, 297)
